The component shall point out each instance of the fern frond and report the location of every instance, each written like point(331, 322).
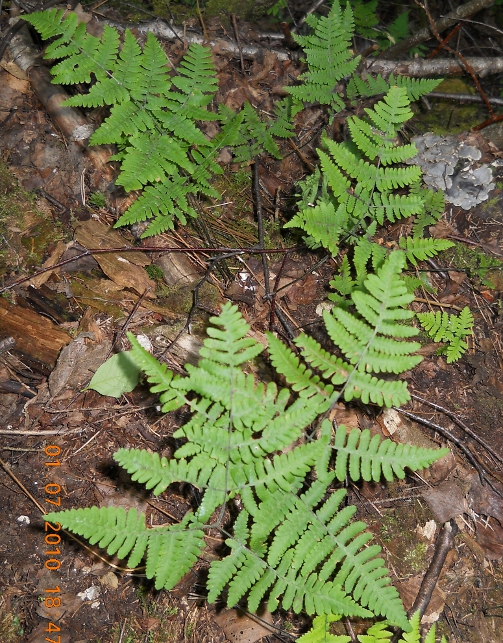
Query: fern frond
point(154, 118)
point(442, 327)
point(254, 137)
point(362, 189)
point(420, 249)
point(361, 455)
point(328, 57)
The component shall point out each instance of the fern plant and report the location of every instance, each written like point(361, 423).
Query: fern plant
point(361, 177)
point(331, 61)
point(291, 542)
point(378, 633)
point(453, 329)
point(153, 119)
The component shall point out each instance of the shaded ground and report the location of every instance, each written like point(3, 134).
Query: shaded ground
point(49, 421)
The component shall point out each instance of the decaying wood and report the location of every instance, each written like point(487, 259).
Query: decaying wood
point(464, 11)
point(69, 120)
point(35, 335)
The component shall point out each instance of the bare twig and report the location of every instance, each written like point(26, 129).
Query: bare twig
point(317, 4)
point(458, 54)
point(443, 545)
point(455, 418)
point(481, 470)
point(465, 98)
point(238, 43)
point(449, 20)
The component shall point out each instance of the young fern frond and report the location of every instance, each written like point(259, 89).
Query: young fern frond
point(453, 329)
point(328, 56)
point(361, 189)
point(377, 633)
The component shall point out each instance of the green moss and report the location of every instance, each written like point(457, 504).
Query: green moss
point(179, 299)
point(246, 9)
point(416, 558)
point(25, 230)
point(483, 269)
point(154, 272)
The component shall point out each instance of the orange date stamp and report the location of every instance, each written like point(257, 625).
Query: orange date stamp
point(52, 599)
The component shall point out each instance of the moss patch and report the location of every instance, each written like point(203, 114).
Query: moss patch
point(26, 230)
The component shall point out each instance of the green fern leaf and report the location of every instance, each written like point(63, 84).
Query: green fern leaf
point(109, 527)
point(150, 159)
point(370, 457)
point(417, 249)
point(319, 632)
point(172, 552)
point(442, 327)
point(328, 56)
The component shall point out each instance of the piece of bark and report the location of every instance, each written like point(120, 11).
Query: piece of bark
point(35, 336)
point(69, 120)
point(463, 11)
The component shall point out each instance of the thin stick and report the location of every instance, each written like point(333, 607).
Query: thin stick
point(260, 221)
point(48, 432)
point(436, 303)
point(443, 545)
point(311, 10)
point(481, 470)
point(231, 252)
point(236, 33)
point(465, 98)
point(460, 423)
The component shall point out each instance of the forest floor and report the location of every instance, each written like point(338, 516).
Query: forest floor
point(58, 439)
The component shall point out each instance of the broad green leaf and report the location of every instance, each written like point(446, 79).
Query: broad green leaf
point(116, 376)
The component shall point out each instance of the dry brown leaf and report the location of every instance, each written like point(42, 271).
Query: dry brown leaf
point(55, 256)
point(441, 230)
point(445, 501)
point(241, 628)
point(408, 592)
point(14, 70)
point(125, 269)
point(484, 501)
point(490, 538)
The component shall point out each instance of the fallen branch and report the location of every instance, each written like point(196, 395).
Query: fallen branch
point(464, 11)
point(419, 68)
point(465, 98)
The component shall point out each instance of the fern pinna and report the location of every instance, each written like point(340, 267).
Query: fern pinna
point(291, 541)
point(153, 117)
point(377, 633)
